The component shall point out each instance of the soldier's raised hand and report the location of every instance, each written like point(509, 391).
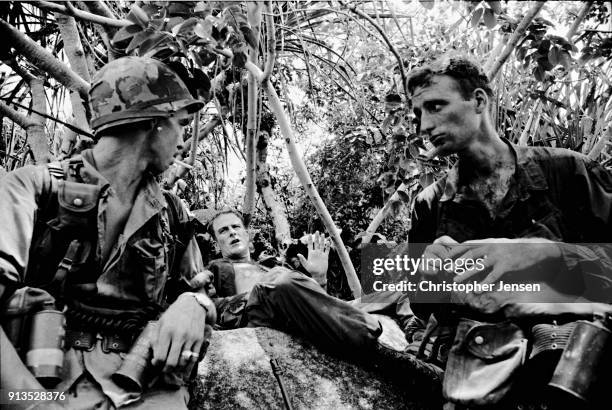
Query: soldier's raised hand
point(318, 257)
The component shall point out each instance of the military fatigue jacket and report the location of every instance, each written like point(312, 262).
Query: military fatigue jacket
point(136, 271)
point(555, 194)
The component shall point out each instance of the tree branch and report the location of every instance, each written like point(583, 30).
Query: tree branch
point(15, 116)
point(254, 19)
point(282, 229)
point(579, 18)
point(382, 214)
point(392, 48)
point(302, 172)
point(37, 137)
point(43, 59)
point(514, 39)
point(270, 46)
point(82, 15)
point(76, 57)
point(180, 170)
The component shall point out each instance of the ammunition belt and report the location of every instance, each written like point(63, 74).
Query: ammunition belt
point(80, 316)
point(550, 337)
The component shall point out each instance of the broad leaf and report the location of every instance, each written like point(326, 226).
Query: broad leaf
point(554, 55)
point(138, 16)
point(489, 18)
point(124, 35)
point(495, 6)
point(203, 29)
point(428, 4)
point(476, 17)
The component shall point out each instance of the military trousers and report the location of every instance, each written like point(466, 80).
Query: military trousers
point(296, 303)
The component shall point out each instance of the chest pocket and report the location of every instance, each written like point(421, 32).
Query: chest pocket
point(145, 263)
point(538, 217)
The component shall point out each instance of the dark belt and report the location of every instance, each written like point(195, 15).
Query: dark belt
point(86, 340)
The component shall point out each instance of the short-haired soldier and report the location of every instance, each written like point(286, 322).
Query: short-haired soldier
point(96, 236)
point(526, 211)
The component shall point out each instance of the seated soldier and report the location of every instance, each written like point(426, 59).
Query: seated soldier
point(97, 238)
point(249, 294)
point(535, 215)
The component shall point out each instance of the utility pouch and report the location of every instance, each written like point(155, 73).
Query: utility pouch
point(483, 361)
point(77, 206)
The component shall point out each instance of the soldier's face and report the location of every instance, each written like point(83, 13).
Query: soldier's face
point(167, 140)
point(231, 236)
point(446, 117)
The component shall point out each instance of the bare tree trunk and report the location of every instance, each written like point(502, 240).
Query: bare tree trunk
point(34, 125)
point(296, 160)
point(254, 18)
point(282, 230)
point(579, 18)
point(43, 59)
point(78, 63)
point(514, 39)
point(37, 138)
point(311, 190)
point(495, 52)
point(15, 116)
point(382, 214)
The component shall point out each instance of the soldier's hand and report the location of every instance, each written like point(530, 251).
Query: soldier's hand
point(318, 257)
point(504, 257)
point(180, 333)
point(439, 250)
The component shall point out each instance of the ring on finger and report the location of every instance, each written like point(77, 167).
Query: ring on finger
point(188, 354)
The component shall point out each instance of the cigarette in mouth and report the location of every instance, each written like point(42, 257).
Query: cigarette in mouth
point(183, 164)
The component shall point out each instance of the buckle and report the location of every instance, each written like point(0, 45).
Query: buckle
point(80, 340)
point(116, 344)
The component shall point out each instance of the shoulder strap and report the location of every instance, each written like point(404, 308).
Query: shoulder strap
point(50, 189)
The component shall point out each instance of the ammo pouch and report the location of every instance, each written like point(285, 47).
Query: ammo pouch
point(68, 220)
point(483, 361)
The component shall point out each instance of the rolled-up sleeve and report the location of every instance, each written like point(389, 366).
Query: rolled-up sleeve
point(20, 191)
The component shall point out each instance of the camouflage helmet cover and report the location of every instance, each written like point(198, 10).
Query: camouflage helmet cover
point(132, 89)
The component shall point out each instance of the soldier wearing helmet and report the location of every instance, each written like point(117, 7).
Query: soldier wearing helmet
point(95, 237)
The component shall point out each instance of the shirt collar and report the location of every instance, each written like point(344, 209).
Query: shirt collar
point(89, 173)
point(528, 173)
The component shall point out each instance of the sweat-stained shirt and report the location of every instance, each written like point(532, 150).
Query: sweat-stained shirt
point(556, 194)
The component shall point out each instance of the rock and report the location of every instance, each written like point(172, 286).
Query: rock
point(236, 373)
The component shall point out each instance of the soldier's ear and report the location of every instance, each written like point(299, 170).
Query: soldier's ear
point(481, 98)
